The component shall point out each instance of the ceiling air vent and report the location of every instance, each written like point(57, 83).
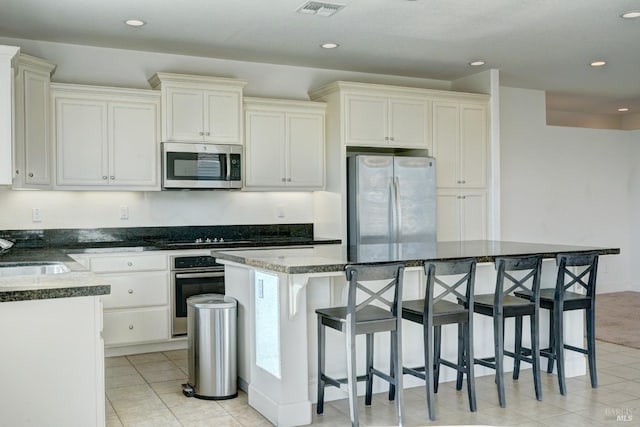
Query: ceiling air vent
point(319, 8)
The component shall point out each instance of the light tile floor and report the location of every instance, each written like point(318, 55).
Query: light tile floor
point(144, 390)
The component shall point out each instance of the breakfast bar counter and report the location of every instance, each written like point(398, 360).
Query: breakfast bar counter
point(278, 291)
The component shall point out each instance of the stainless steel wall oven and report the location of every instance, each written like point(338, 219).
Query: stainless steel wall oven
point(192, 275)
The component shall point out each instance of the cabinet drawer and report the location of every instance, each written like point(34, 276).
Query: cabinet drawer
point(137, 290)
point(128, 263)
point(136, 326)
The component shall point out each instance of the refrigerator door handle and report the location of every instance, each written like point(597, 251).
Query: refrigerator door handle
point(392, 212)
point(398, 221)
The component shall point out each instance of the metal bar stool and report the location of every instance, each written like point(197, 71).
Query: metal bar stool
point(560, 299)
point(454, 279)
point(503, 304)
point(365, 318)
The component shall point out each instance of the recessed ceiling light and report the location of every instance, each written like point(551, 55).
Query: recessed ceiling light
point(631, 14)
point(623, 110)
point(476, 63)
point(329, 45)
point(598, 63)
point(134, 22)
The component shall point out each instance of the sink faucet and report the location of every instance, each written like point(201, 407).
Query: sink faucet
point(5, 245)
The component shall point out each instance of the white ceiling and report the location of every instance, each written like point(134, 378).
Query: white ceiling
point(537, 44)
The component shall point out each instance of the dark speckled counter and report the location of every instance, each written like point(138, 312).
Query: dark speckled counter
point(333, 258)
point(56, 245)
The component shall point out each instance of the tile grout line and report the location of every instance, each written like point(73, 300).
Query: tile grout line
point(154, 390)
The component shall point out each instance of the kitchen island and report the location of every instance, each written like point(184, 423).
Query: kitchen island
point(52, 367)
point(278, 291)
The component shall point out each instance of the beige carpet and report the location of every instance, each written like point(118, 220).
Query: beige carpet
point(618, 318)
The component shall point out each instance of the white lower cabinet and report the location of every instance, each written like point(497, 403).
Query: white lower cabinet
point(137, 310)
point(136, 326)
point(461, 215)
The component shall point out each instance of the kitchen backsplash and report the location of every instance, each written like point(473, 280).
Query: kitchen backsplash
point(86, 209)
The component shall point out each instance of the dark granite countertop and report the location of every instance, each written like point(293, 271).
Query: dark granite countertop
point(57, 245)
point(333, 258)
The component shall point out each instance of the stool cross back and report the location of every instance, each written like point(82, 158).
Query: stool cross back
point(522, 275)
point(446, 280)
point(565, 298)
point(367, 318)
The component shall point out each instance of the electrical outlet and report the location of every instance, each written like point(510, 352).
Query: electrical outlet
point(124, 212)
point(36, 215)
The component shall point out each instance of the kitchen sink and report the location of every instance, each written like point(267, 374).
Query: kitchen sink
point(31, 268)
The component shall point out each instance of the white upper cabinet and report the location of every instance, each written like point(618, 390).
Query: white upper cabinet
point(32, 143)
point(460, 144)
point(384, 121)
point(106, 138)
point(200, 108)
point(7, 64)
point(284, 144)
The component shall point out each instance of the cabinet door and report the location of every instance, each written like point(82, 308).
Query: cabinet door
point(448, 217)
point(81, 138)
point(473, 216)
point(305, 143)
point(366, 120)
point(445, 143)
point(134, 145)
point(37, 149)
point(136, 326)
point(137, 290)
point(222, 117)
point(265, 153)
point(408, 123)
point(184, 115)
point(473, 145)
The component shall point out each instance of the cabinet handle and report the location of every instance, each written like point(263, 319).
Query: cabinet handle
point(284, 179)
point(130, 327)
point(464, 182)
point(104, 177)
point(288, 179)
point(392, 138)
point(17, 171)
point(30, 174)
point(112, 177)
point(386, 138)
point(207, 133)
point(129, 263)
point(130, 291)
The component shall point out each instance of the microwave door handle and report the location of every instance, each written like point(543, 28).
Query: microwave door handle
point(228, 156)
point(198, 275)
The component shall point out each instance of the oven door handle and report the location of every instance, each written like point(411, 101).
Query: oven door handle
point(198, 275)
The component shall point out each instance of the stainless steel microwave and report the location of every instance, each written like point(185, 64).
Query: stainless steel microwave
point(201, 166)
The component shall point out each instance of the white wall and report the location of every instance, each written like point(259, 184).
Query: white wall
point(568, 185)
point(635, 208)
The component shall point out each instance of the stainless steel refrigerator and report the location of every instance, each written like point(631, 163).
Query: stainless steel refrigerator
point(391, 205)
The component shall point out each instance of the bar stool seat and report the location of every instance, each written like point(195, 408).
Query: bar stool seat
point(559, 299)
point(363, 317)
point(514, 274)
point(368, 318)
point(446, 279)
point(513, 306)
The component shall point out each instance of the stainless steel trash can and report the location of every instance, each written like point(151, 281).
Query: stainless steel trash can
point(212, 347)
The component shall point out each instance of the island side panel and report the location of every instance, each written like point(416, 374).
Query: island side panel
point(52, 362)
